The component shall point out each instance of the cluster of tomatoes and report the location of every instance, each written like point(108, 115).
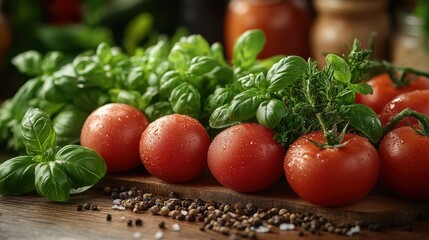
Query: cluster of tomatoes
point(246, 158)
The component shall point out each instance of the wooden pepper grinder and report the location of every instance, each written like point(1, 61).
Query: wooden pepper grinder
point(339, 22)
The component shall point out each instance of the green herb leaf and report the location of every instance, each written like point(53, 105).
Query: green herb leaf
point(341, 69)
point(52, 182)
point(157, 110)
point(17, 175)
point(59, 88)
point(51, 62)
point(245, 104)
point(363, 119)
point(169, 81)
point(185, 99)
point(285, 72)
point(247, 48)
point(362, 88)
point(202, 65)
point(68, 125)
point(29, 63)
point(83, 166)
point(270, 113)
point(37, 132)
point(220, 118)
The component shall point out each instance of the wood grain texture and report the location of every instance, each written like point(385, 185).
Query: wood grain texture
point(32, 217)
point(379, 206)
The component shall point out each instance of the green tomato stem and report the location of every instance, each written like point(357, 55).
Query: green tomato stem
point(408, 112)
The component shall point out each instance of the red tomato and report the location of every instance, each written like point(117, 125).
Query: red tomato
point(174, 148)
point(404, 158)
point(331, 176)
point(246, 158)
point(384, 91)
point(114, 131)
point(417, 100)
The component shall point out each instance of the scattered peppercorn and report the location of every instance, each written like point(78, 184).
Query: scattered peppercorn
point(94, 207)
point(109, 217)
point(161, 225)
point(129, 223)
point(79, 207)
point(86, 206)
point(138, 222)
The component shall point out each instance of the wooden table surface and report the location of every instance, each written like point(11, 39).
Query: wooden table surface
point(32, 217)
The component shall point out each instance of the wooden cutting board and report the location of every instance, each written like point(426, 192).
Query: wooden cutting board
point(379, 206)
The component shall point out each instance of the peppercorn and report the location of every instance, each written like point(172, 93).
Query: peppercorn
point(138, 222)
point(161, 225)
point(94, 207)
point(129, 223)
point(79, 207)
point(109, 217)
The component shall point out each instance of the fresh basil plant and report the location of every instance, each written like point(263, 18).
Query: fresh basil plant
point(51, 172)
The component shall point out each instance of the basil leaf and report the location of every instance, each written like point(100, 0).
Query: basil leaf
point(130, 97)
point(103, 53)
point(217, 52)
point(247, 48)
point(285, 72)
point(245, 104)
point(52, 182)
point(363, 119)
point(17, 175)
point(157, 54)
point(59, 88)
point(202, 65)
point(362, 88)
point(29, 63)
point(157, 110)
point(220, 118)
point(169, 81)
point(192, 46)
point(147, 97)
point(346, 97)
point(89, 98)
point(220, 97)
point(90, 70)
point(341, 69)
point(185, 99)
point(51, 62)
point(136, 79)
point(68, 125)
point(83, 166)
point(270, 113)
point(38, 134)
point(180, 60)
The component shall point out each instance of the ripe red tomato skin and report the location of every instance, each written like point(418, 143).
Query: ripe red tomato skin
point(417, 100)
point(174, 148)
point(332, 176)
point(384, 91)
point(404, 163)
point(113, 130)
point(246, 158)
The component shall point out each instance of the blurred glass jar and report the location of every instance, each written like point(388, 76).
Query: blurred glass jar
point(339, 22)
point(286, 25)
point(410, 47)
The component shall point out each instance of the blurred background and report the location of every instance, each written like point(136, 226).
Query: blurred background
point(308, 28)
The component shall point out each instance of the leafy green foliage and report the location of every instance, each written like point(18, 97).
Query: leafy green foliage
point(53, 174)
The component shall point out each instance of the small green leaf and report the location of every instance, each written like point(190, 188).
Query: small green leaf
point(29, 63)
point(157, 110)
point(104, 53)
point(83, 166)
point(217, 52)
point(185, 99)
point(202, 65)
point(17, 175)
point(247, 48)
point(220, 97)
point(52, 181)
point(57, 88)
point(363, 119)
point(270, 113)
point(220, 118)
point(68, 125)
point(51, 62)
point(169, 81)
point(341, 69)
point(37, 132)
point(245, 104)
point(285, 72)
point(362, 88)
point(157, 54)
point(136, 79)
